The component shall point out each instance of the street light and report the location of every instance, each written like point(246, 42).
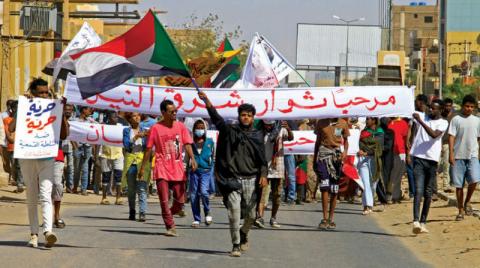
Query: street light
point(347, 22)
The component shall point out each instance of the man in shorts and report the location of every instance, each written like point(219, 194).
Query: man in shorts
point(330, 150)
point(463, 134)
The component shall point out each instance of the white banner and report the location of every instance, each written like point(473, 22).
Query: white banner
point(101, 134)
point(280, 65)
point(85, 38)
point(258, 71)
point(275, 104)
point(92, 133)
point(38, 128)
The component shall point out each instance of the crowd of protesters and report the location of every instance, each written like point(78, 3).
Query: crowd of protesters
point(174, 159)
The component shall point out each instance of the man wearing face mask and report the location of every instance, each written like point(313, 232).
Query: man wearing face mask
point(203, 150)
point(240, 168)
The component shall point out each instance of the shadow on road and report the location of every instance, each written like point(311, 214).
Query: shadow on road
point(23, 244)
point(101, 218)
point(131, 232)
point(194, 250)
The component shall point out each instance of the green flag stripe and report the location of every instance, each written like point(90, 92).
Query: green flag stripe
point(165, 53)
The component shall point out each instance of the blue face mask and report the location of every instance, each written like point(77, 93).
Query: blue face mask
point(199, 132)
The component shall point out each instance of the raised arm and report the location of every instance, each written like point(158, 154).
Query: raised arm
point(216, 118)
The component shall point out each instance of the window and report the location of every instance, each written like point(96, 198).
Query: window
point(415, 15)
point(428, 19)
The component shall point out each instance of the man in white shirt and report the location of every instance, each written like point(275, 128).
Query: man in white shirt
point(463, 137)
point(425, 153)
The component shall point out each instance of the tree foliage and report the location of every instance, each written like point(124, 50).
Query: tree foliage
point(458, 89)
point(203, 35)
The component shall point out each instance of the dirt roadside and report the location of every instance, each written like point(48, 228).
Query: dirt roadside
point(448, 244)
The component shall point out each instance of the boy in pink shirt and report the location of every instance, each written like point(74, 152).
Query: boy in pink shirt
point(169, 137)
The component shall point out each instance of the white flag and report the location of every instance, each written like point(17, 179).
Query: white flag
point(265, 66)
point(84, 39)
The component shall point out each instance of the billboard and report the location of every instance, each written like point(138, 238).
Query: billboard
point(326, 44)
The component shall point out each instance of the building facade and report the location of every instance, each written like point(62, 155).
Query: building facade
point(415, 31)
point(462, 43)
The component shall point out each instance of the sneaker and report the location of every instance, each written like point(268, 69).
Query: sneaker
point(274, 223)
point(20, 189)
point(423, 228)
point(195, 224)
point(131, 215)
point(417, 228)
point(84, 192)
point(434, 198)
point(33, 241)
point(50, 239)
point(208, 219)
point(236, 251)
point(244, 246)
point(259, 223)
point(172, 232)
point(141, 217)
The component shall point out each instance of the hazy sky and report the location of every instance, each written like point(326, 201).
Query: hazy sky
point(275, 19)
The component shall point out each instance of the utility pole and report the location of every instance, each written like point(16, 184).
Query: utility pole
point(347, 22)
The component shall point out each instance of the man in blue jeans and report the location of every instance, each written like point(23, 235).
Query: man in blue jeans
point(82, 154)
point(425, 153)
point(464, 133)
point(290, 172)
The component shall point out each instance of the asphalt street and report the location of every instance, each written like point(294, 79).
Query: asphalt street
point(101, 236)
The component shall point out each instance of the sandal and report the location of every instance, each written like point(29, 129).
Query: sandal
point(468, 209)
point(59, 224)
point(105, 202)
point(323, 225)
point(460, 217)
point(332, 226)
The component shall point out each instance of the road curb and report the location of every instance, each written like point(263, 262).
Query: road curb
point(452, 202)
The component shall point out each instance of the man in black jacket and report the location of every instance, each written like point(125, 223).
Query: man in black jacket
point(240, 167)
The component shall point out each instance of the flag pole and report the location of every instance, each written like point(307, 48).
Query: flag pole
point(195, 84)
point(302, 77)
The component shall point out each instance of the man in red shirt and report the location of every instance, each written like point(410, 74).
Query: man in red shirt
point(169, 137)
point(400, 129)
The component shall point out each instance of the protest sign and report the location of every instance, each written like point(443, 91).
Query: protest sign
point(38, 128)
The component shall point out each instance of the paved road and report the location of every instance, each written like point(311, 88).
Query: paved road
point(100, 236)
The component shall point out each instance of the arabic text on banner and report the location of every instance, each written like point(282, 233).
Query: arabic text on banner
point(101, 134)
point(286, 103)
point(38, 128)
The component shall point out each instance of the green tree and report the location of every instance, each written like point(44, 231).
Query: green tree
point(457, 90)
point(200, 35)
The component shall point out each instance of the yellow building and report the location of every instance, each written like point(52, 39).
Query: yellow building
point(462, 51)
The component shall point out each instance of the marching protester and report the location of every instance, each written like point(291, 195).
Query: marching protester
point(82, 154)
point(274, 136)
point(169, 137)
point(464, 133)
point(241, 168)
point(57, 189)
point(111, 159)
point(400, 132)
point(332, 138)
point(135, 143)
point(67, 148)
point(425, 154)
point(421, 102)
point(448, 114)
point(370, 161)
point(204, 152)
point(39, 176)
point(15, 171)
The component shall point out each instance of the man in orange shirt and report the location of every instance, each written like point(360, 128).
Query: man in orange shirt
point(15, 172)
